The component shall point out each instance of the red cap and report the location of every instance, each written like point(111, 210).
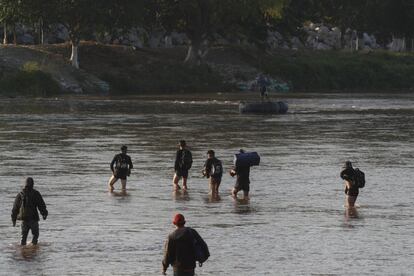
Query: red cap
point(179, 220)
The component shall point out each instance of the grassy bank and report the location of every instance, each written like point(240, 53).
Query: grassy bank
point(142, 71)
point(329, 70)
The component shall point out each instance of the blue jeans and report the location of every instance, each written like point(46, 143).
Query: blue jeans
point(30, 225)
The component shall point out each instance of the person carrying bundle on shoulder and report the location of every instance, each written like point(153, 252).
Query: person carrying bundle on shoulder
point(242, 163)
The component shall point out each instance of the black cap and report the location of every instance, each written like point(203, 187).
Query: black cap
point(124, 147)
point(29, 183)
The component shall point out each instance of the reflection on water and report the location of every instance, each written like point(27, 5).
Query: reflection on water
point(294, 219)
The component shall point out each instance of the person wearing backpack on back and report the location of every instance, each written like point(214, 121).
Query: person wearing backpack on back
point(354, 180)
point(183, 163)
point(25, 207)
point(183, 248)
point(121, 166)
point(213, 169)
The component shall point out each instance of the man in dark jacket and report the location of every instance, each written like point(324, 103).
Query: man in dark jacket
point(121, 166)
point(25, 207)
point(179, 249)
point(351, 190)
point(183, 162)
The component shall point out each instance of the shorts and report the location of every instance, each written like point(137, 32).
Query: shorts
point(121, 174)
point(352, 191)
point(215, 180)
point(242, 184)
point(182, 173)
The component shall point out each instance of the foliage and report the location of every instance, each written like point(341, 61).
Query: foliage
point(28, 83)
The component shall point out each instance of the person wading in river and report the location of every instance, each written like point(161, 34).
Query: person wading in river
point(183, 163)
point(213, 169)
point(351, 189)
point(25, 207)
point(180, 249)
point(121, 166)
point(242, 179)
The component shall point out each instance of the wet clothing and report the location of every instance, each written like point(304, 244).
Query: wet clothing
point(123, 165)
point(31, 201)
point(348, 174)
point(243, 178)
point(210, 168)
point(30, 225)
point(179, 251)
point(183, 162)
point(182, 173)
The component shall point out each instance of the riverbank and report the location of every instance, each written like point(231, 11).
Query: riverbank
point(120, 70)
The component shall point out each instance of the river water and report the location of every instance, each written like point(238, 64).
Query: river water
point(294, 224)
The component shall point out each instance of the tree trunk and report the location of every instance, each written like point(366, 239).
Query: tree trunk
point(74, 58)
point(14, 35)
point(41, 33)
point(196, 52)
point(398, 44)
point(5, 41)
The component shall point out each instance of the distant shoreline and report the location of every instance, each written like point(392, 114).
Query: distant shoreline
point(44, 71)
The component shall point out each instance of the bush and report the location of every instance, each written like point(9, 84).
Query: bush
point(29, 82)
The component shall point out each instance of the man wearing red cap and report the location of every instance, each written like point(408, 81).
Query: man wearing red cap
point(180, 249)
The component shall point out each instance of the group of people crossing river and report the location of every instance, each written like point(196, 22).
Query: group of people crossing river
point(184, 246)
point(121, 167)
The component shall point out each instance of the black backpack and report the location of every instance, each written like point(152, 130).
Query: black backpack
point(200, 249)
point(216, 169)
point(359, 179)
point(186, 160)
point(122, 162)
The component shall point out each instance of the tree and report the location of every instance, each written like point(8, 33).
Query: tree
point(10, 14)
point(200, 20)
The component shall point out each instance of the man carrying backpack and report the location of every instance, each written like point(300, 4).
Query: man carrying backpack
point(183, 248)
point(213, 169)
point(25, 207)
point(354, 180)
point(183, 162)
point(122, 169)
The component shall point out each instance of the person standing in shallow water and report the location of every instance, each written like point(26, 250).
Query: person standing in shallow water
point(242, 174)
point(25, 207)
point(179, 250)
point(182, 164)
point(213, 169)
point(121, 166)
point(351, 190)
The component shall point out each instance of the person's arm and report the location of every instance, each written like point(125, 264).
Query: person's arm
point(177, 160)
point(166, 259)
point(130, 162)
point(113, 163)
point(41, 205)
point(16, 207)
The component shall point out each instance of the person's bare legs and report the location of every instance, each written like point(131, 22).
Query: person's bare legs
point(123, 184)
point(350, 201)
point(184, 184)
point(234, 192)
point(176, 187)
point(111, 183)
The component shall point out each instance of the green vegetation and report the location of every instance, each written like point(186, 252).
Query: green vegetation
point(29, 81)
point(333, 70)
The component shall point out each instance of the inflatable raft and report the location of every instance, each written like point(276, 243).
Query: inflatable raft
point(264, 107)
